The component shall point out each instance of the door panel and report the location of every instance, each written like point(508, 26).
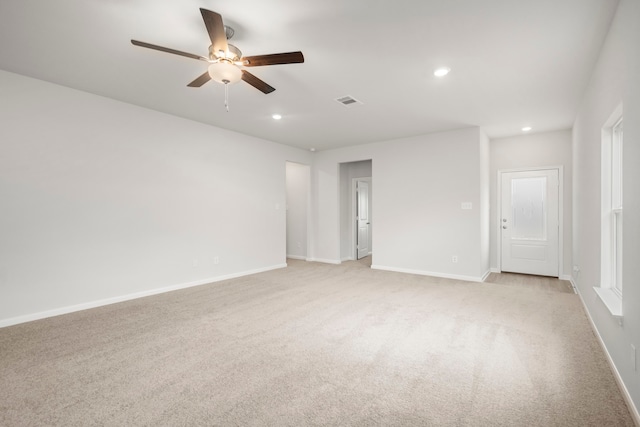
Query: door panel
point(529, 222)
point(362, 218)
point(530, 252)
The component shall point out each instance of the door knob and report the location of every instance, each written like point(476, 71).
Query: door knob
point(504, 226)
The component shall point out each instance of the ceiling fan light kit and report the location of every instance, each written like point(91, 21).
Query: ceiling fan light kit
point(224, 72)
point(226, 59)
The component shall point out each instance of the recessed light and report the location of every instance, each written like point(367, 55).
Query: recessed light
point(526, 129)
point(441, 72)
point(276, 117)
point(312, 149)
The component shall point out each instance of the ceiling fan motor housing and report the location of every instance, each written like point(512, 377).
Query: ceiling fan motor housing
point(232, 53)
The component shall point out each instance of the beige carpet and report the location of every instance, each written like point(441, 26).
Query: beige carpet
point(317, 344)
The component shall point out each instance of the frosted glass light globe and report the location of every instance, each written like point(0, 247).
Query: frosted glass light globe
point(224, 72)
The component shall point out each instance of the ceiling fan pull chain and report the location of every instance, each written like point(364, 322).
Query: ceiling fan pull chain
point(226, 94)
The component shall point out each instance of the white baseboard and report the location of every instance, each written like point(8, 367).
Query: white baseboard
point(303, 258)
point(616, 375)
point(573, 284)
point(485, 276)
point(428, 273)
point(107, 301)
point(569, 278)
point(348, 258)
point(561, 277)
point(325, 261)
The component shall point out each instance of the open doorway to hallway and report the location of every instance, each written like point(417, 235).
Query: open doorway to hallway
point(356, 210)
point(298, 177)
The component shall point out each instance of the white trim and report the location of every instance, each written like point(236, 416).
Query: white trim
point(569, 279)
point(348, 258)
point(610, 294)
point(325, 261)
point(560, 169)
point(303, 258)
point(573, 284)
point(429, 273)
point(616, 375)
point(107, 301)
point(486, 275)
point(611, 300)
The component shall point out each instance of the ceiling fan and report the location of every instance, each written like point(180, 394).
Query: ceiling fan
point(225, 59)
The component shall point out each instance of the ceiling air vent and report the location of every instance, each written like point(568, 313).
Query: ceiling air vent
point(348, 101)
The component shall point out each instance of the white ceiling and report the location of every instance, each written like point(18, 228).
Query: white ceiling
point(513, 62)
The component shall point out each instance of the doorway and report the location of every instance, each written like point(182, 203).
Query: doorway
point(352, 173)
point(298, 178)
point(529, 222)
point(362, 213)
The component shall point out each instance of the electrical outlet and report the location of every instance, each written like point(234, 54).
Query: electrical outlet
point(216, 260)
point(634, 357)
point(466, 205)
point(454, 259)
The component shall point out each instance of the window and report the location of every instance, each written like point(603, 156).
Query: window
point(616, 209)
point(610, 289)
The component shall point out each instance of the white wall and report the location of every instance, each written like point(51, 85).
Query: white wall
point(419, 185)
point(102, 199)
point(530, 151)
point(298, 199)
point(349, 171)
point(615, 79)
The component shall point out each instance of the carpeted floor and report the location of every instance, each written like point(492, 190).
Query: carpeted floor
point(317, 344)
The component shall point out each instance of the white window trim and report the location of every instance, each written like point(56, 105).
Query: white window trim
point(611, 300)
point(607, 291)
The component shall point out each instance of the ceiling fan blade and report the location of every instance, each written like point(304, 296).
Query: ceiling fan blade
point(168, 50)
point(200, 80)
point(215, 28)
point(273, 59)
point(256, 82)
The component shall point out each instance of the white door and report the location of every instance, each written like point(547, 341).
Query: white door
point(529, 222)
point(362, 218)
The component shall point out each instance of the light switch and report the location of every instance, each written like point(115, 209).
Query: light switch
point(466, 205)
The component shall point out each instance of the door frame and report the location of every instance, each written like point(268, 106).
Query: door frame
point(352, 217)
point(498, 214)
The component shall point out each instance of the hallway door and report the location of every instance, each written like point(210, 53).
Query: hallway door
point(362, 219)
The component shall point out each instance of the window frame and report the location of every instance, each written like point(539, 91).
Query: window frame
point(611, 267)
point(617, 222)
